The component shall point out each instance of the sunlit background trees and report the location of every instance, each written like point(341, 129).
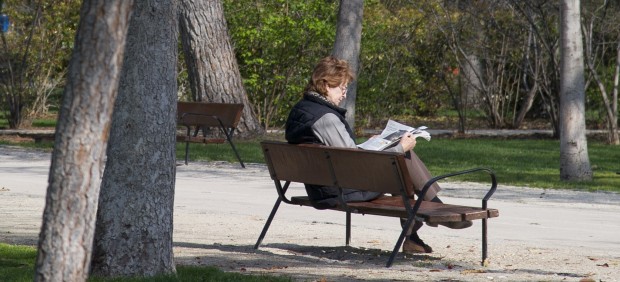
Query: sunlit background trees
point(498, 60)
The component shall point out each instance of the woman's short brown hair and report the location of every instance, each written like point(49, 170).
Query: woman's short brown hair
point(330, 71)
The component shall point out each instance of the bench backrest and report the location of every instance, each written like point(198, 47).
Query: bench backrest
point(297, 163)
point(328, 166)
point(198, 113)
point(369, 170)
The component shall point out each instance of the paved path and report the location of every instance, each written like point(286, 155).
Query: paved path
point(220, 209)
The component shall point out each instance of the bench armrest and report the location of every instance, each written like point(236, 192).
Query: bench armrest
point(282, 191)
point(435, 179)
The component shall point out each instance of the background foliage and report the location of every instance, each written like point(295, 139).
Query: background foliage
point(413, 63)
point(35, 55)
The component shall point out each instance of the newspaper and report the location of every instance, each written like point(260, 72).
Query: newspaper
point(391, 135)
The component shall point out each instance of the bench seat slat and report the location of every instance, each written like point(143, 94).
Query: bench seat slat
point(431, 212)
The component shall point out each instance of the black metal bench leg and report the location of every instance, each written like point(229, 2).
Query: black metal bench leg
point(229, 138)
point(348, 240)
point(236, 153)
point(484, 242)
point(268, 223)
point(399, 243)
point(187, 145)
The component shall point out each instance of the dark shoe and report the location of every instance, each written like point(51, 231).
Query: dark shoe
point(453, 224)
point(411, 247)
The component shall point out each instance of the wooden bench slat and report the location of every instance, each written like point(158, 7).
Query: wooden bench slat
point(285, 162)
point(229, 114)
point(431, 212)
point(369, 170)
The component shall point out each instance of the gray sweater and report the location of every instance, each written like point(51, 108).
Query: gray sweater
point(331, 131)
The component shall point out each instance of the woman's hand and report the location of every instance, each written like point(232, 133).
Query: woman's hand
point(407, 141)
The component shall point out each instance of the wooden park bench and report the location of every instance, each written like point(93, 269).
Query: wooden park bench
point(37, 135)
point(383, 172)
point(201, 117)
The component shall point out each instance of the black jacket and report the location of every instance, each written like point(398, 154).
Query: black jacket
point(305, 113)
point(299, 130)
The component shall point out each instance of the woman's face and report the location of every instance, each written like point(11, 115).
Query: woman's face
point(337, 94)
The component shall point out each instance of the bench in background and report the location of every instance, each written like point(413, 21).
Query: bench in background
point(38, 135)
point(383, 172)
point(201, 117)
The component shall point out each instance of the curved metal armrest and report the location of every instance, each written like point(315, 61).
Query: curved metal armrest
point(435, 179)
point(282, 191)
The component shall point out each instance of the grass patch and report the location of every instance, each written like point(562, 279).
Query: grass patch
point(17, 265)
point(529, 162)
point(44, 145)
point(518, 162)
point(17, 262)
point(249, 150)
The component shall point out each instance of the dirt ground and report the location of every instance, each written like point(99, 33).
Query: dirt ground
point(220, 209)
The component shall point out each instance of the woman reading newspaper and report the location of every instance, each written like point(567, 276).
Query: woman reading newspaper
point(317, 118)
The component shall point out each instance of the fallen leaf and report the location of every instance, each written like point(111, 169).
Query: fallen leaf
point(470, 271)
point(276, 267)
point(435, 270)
point(603, 265)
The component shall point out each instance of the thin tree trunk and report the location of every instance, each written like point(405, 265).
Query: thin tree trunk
point(66, 239)
point(614, 139)
point(574, 160)
point(211, 63)
point(526, 105)
point(347, 47)
point(532, 63)
point(134, 221)
point(612, 115)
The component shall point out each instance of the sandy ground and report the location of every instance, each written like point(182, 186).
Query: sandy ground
point(220, 209)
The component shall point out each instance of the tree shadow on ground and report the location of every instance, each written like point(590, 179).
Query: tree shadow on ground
point(309, 254)
point(345, 263)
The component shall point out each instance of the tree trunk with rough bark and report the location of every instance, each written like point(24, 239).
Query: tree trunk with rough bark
point(66, 238)
point(211, 63)
point(574, 159)
point(347, 47)
point(133, 235)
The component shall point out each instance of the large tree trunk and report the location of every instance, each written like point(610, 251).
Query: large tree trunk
point(574, 160)
point(212, 67)
point(134, 221)
point(347, 47)
point(67, 232)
